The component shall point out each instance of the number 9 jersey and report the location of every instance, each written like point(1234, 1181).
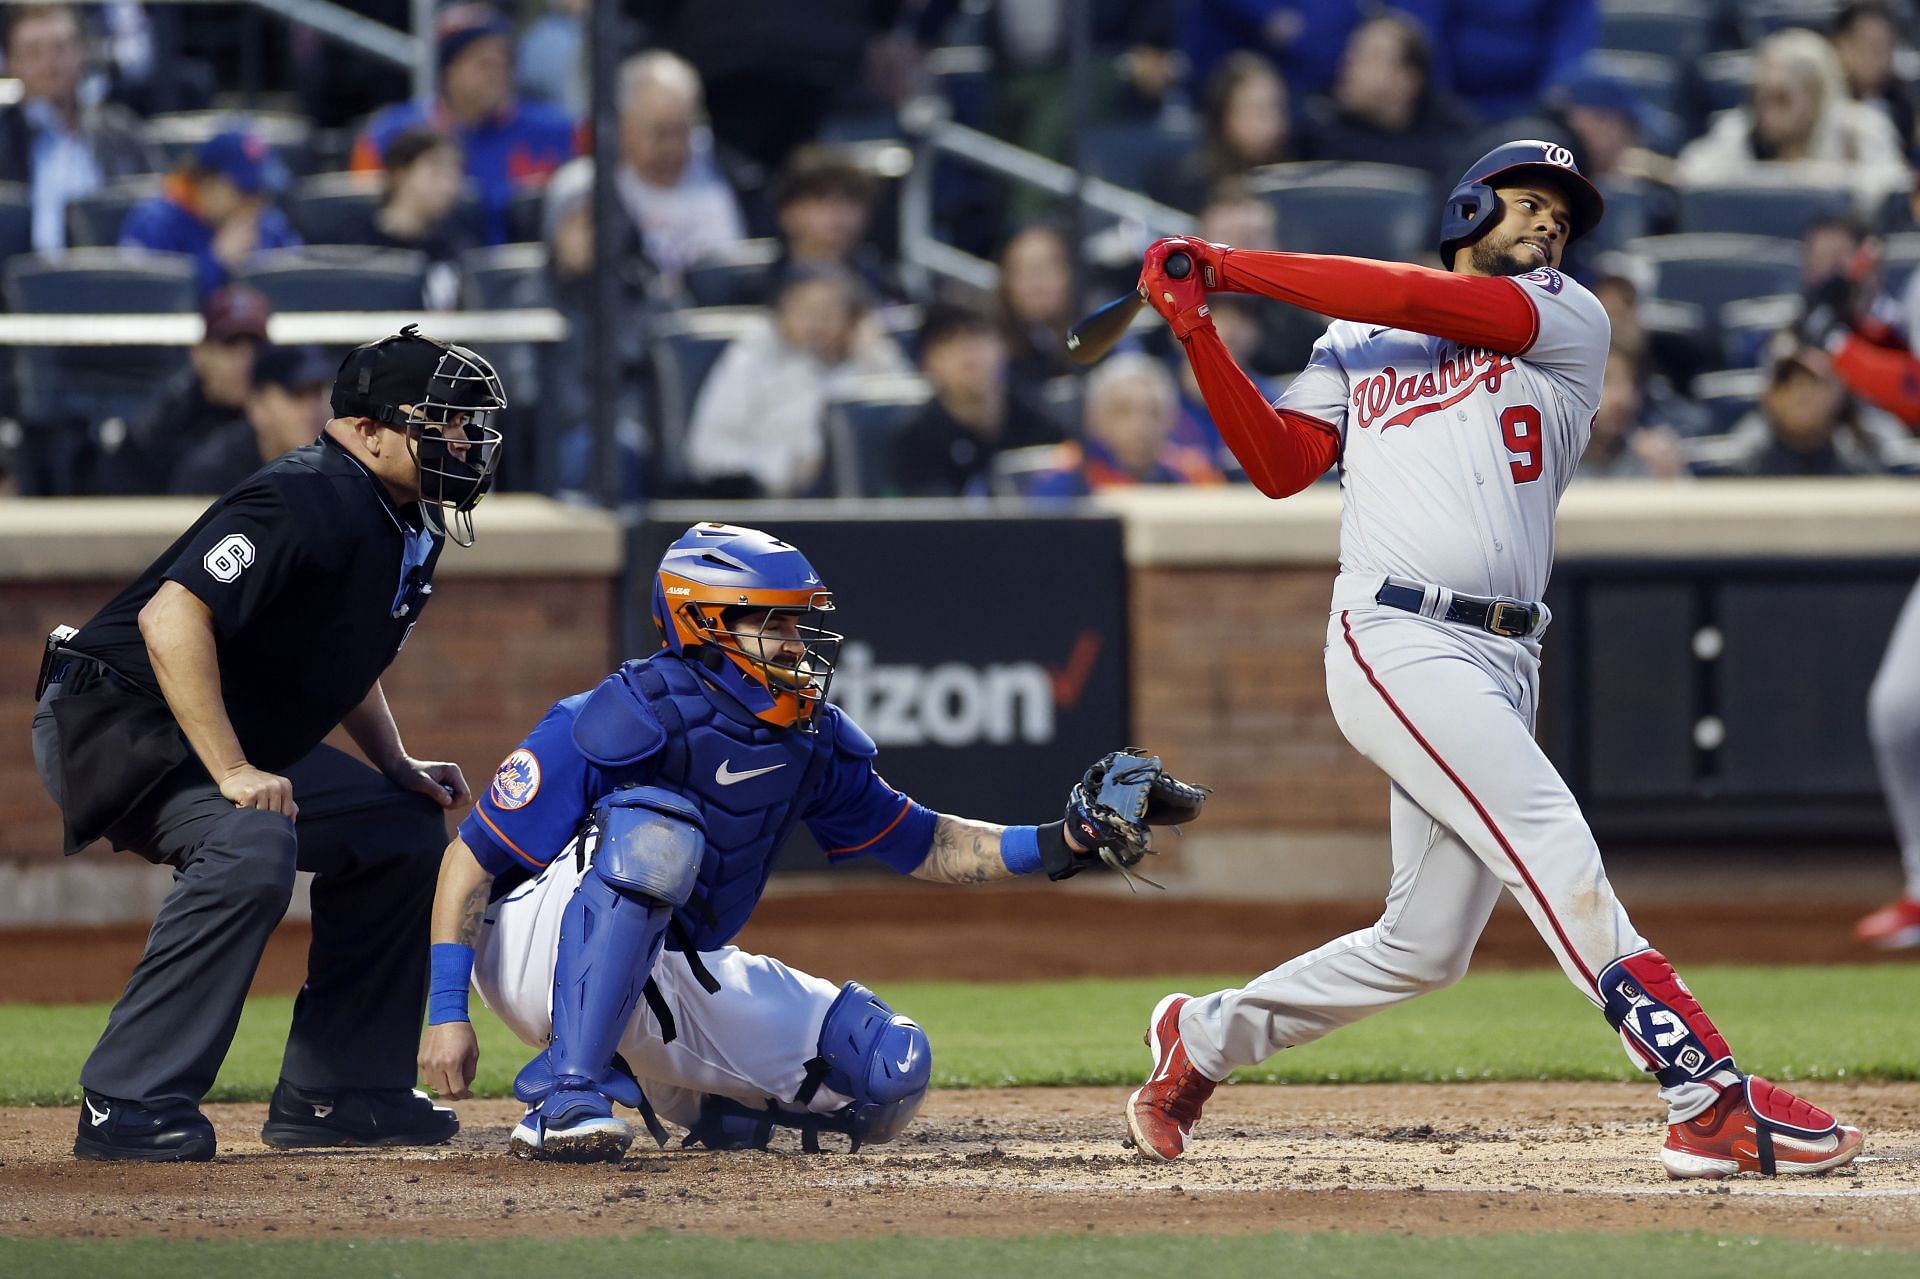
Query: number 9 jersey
point(1453, 459)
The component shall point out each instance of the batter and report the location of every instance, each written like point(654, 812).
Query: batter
point(1457, 404)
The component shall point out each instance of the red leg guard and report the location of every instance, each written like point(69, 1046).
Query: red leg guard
point(1646, 1001)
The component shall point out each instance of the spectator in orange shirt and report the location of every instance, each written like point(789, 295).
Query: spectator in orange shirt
point(509, 143)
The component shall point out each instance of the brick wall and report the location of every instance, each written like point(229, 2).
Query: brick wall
point(487, 660)
point(1228, 686)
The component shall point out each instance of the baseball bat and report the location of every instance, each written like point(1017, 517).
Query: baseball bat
point(1097, 333)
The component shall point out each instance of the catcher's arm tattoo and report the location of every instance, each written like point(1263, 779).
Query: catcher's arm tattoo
point(460, 898)
point(964, 852)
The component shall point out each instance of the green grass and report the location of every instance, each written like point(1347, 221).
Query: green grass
point(1788, 1023)
point(1326, 1256)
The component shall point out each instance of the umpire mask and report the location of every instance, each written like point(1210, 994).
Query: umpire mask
point(444, 399)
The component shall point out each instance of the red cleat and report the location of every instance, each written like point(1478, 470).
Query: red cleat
point(1895, 926)
point(1758, 1127)
point(1161, 1113)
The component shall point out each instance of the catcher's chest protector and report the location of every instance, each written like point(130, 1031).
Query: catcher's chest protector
point(749, 780)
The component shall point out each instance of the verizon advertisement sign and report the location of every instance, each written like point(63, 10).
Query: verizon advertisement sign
point(986, 656)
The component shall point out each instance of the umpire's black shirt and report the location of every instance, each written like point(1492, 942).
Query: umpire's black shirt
point(313, 576)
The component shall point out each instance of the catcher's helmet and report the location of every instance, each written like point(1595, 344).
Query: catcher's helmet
point(715, 570)
point(1473, 208)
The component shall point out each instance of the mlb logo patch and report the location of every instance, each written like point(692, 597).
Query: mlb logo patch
point(1547, 278)
point(517, 782)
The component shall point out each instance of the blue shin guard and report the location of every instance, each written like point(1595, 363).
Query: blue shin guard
point(615, 925)
point(868, 1053)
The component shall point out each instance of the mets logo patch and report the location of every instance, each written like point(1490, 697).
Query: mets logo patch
point(1547, 278)
point(518, 780)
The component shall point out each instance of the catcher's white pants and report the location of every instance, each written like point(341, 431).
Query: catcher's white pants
point(749, 1041)
point(1893, 718)
point(1447, 712)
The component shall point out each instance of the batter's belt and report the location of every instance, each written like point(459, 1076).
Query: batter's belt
point(1509, 618)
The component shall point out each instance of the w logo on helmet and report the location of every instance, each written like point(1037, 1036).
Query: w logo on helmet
point(1558, 155)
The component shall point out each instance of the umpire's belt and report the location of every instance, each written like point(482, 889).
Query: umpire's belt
point(1514, 619)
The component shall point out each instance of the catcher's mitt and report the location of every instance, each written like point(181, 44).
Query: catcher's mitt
point(1113, 808)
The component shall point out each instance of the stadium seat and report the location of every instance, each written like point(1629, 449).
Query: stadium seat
point(1657, 81)
point(1724, 78)
point(505, 276)
point(1899, 255)
point(1129, 152)
point(94, 220)
point(1015, 470)
point(1728, 395)
point(526, 213)
point(16, 219)
point(1676, 29)
point(338, 277)
point(739, 275)
point(336, 208)
point(1065, 400)
point(1360, 210)
point(861, 422)
point(333, 208)
point(1632, 207)
point(90, 384)
point(1711, 270)
point(1779, 207)
point(685, 345)
point(1746, 326)
point(1759, 19)
point(178, 134)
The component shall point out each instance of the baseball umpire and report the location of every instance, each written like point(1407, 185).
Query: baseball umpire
point(184, 722)
point(593, 894)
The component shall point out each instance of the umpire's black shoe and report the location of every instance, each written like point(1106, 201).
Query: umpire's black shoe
point(115, 1129)
point(355, 1117)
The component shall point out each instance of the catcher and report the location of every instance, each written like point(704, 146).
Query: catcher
point(591, 894)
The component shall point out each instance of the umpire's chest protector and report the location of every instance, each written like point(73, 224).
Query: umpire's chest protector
point(658, 722)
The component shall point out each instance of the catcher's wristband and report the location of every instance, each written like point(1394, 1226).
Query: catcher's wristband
point(1026, 849)
point(452, 970)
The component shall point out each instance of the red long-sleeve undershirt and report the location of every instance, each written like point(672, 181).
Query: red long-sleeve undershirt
point(1881, 375)
point(1283, 451)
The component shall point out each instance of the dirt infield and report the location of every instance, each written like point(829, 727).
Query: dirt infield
point(1434, 1159)
point(1007, 933)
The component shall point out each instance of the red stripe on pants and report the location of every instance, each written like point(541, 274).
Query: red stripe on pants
point(1478, 807)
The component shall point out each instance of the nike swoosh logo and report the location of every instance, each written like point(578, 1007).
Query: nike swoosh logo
point(98, 1116)
point(727, 777)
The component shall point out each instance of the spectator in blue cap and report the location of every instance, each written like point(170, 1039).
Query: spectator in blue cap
point(510, 143)
point(218, 207)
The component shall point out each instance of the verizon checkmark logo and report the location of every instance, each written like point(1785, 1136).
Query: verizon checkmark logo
point(727, 777)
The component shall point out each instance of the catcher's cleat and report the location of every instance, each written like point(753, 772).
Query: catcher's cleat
point(573, 1126)
point(571, 1139)
point(119, 1130)
point(303, 1117)
point(1161, 1113)
point(1895, 926)
point(1758, 1127)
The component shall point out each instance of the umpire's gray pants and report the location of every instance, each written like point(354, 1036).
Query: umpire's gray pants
point(375, 850)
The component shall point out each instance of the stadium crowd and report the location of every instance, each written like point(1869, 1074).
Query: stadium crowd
point(772, 339)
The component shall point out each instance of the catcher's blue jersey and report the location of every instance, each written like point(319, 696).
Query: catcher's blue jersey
point(661, 722)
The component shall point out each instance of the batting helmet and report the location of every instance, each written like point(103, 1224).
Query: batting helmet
point(713, 572)
point(1473, 208)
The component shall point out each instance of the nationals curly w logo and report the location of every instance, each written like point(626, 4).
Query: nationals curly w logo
point(1416, 395)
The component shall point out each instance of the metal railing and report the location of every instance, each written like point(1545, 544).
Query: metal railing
point(413, 50)
point(923, 255)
